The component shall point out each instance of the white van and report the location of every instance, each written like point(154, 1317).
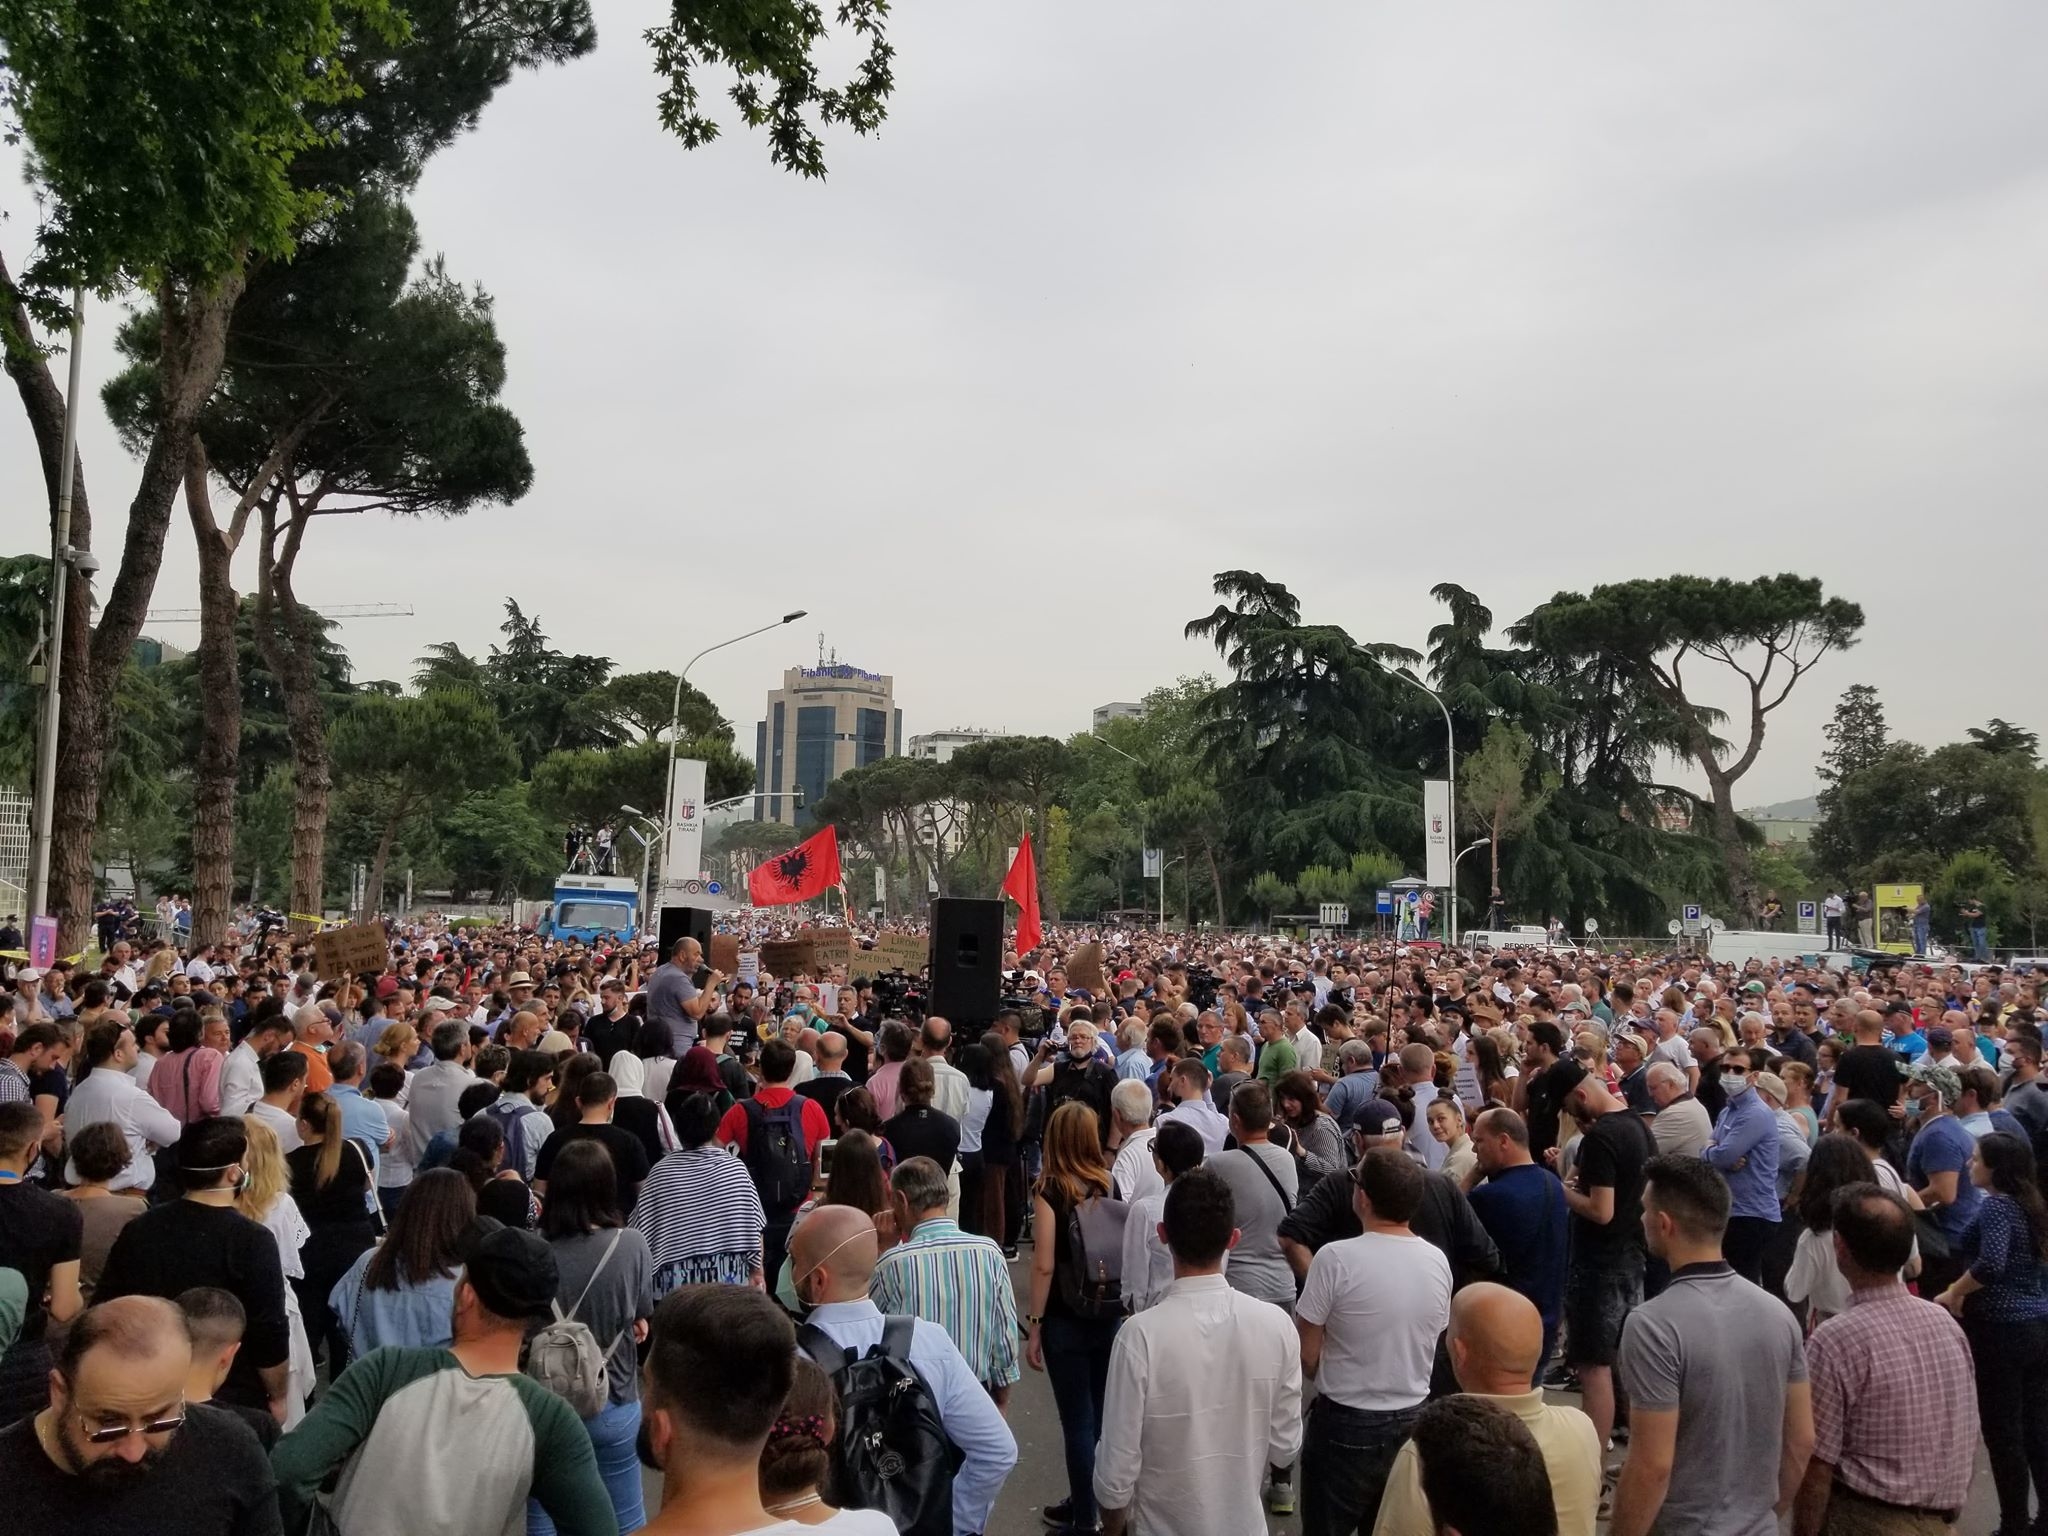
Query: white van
point(1526, 936)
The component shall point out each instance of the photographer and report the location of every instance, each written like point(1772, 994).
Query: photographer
point(1078, 1074)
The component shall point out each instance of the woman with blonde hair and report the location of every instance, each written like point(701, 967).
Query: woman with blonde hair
point(266, 1198)
point(398, 1044)
point(1072, 1349)
point(161, 964)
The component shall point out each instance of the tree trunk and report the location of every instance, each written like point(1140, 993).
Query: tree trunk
point(1216, 879)
point(1493, 837)
point(285, 639)
point(1734, 851)
point(373, 888)
point(215, 769)
point(194, 335)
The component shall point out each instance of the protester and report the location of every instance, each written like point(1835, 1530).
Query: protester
point(451, 1440)
point(918, 1129)
point(1497, 1341)
point(833, 1259)
point(41, 1237)
point(1187, 1091)
point(96, 1159)
point(1131, 1174)
point(200, 1239)
point(777, 1135)
point(401, 1292)
point(336, 1194)
point(1073, 1349)
point(1744, 1148)
point(1204, 1389)
point(597, 1097)
point(2002, 1298)
point(1524, 1211)
point(122, 1449)
point(1481, 1470)
point(796, 1462)
point(215, 1322)
point(109, 1094)
point(1894, 1413)
point(604, 1280)
point(698, 1210)
point(1720, 1420)
point(1369, 1316)
point(948, 1277)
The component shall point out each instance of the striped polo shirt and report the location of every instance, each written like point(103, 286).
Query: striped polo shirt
point(960, 1282)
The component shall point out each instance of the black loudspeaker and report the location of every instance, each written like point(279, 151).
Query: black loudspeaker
point(967, 960)
point(685, 923)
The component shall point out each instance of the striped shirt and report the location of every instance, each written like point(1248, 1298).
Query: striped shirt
point(960, 1282)
point(702, 1220)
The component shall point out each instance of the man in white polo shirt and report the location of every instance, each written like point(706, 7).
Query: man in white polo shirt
point(1369, 1315)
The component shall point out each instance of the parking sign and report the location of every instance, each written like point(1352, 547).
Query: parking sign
point(1809, 917)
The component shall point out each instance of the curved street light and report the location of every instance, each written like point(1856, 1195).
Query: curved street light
point(675, 721)
point(1450, 772)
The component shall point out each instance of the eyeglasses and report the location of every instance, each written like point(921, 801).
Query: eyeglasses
point(1734, 1071)
point(110, 1434)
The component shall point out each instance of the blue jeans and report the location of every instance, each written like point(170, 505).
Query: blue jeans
point(613, 1436)
point(1346, 1455)
point(1980, 942)
point(1077, 1364)
point(1920, 937)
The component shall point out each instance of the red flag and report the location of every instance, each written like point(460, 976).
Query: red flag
point(808, 870)
point(1021, 886)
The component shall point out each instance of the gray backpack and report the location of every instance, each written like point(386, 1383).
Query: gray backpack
point(563, 1356)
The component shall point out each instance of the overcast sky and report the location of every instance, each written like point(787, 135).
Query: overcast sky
point(1521, 296)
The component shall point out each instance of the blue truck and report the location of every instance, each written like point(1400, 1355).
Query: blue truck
point(591, 907)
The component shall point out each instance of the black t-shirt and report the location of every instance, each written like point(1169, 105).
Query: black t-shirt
point(38, 1231)
point(1869, 1072)
point(923, 1132)
point(1712, 1096)
point(826, 1090)
point(1089, 1081)
point(608, 1036)
point(171, 1248)
point(1612, 1155)
point(629, 1158)
point(1544, 1102)
point(856, 1054)
point(213, 1477)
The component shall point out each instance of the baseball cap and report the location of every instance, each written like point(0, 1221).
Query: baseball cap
point(1941, 1035)
point(28, 973)
point(1376, 1117)
point(387, 986)
point(438, 1005)
point(512, 1271)
point(1897, 1005)
point(1565, 1075)
point(1754, 986)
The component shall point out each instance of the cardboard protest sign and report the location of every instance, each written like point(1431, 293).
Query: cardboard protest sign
point(808, 952)
point(339, 952)
point(907, 952)
point(725, 953)
point(1084, 969)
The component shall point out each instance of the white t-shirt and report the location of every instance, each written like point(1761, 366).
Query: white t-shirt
point(844, 1522)
point(1381, 1300)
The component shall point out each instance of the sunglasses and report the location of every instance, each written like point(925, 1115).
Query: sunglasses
point(1734, 1071)
point(110, 1434)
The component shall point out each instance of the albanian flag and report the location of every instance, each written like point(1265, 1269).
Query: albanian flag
point(808, 870)
point(1021, 886)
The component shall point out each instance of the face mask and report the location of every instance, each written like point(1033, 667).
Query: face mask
point(1914, 1107)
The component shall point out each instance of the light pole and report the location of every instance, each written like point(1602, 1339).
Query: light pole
point(675, 720)
point(1455, 862)
point(1450, 772)
point(1164, 866)
point(62, 557)
point(1142, 842)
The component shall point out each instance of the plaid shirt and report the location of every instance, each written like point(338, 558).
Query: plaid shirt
point(1894, 1400)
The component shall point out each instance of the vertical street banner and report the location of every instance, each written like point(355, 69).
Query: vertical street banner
point(1436, 833)
point(682, 855)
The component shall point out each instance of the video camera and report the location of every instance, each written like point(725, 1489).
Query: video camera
point(1202, 987)
point(898, 996)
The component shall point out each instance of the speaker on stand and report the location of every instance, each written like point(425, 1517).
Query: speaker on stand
point(967, 960)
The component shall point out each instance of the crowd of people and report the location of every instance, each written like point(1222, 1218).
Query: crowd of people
point(481, 1238)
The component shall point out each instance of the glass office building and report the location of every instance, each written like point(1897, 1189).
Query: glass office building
point(819, 723)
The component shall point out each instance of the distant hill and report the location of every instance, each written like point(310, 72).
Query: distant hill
point(1807, 809)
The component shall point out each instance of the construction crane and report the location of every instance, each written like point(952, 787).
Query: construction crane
point(338, 611)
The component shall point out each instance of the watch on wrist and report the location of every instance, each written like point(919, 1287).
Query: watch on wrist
point(1033, 1319)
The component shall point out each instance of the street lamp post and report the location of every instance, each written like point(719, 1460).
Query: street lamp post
point(1143, 842)
point(1450, 772)
point(675, 720)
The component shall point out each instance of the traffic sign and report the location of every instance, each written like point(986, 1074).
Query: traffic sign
point(1334, 914)
point(1383, 901)
point(711, 887)
point(1809, 917)
point(1153, 865)
point(1674, 927)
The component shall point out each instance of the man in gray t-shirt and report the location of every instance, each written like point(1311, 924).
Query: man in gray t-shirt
point(673, 998)
point(1715, 1372)
point(1264, 1184)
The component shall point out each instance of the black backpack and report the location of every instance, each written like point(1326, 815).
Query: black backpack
point(891, 1453)
point(776, 1155)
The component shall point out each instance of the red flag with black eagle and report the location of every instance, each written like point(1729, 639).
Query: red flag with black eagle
point(808, 870)
point(1021, 886)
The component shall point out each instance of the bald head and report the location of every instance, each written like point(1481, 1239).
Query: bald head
point(1496, 1339)
point(833, 1253)
point(831, 1050)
